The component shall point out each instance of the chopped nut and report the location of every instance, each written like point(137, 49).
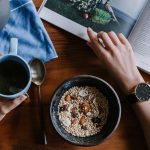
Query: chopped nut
point(73, 121)
point(68, 98)
point(85, 107)
point(82, 120)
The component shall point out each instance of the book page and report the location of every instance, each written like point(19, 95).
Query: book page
point(101, 15)
point(140, 40)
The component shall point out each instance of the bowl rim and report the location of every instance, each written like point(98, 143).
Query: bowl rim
point(92, 77)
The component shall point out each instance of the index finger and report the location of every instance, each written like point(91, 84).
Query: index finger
point(94, 40)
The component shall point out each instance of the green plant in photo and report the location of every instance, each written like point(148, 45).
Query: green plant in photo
point(85, 5)
point(101, 17)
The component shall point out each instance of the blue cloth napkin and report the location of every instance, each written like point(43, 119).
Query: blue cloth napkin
point(25, 24)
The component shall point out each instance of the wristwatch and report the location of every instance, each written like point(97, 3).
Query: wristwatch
point(139, 93)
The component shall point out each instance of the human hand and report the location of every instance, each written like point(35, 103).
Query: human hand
point(7, 106)
point(117, 57)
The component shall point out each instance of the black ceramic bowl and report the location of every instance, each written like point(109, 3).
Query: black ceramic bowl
point(113, 116)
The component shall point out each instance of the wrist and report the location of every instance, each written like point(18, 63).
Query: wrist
point(131, 83)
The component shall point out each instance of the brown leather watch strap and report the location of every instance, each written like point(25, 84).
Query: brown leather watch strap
point(131, 99)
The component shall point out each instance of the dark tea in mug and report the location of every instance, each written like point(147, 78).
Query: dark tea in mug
point(13, 77)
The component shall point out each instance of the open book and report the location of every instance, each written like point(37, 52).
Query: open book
point(131, 17)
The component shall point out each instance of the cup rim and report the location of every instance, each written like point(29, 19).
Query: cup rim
point(29, 81)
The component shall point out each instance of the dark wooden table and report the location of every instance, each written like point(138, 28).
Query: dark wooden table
point(20, 129)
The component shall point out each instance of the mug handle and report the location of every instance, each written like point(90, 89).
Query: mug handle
point(28, 98)
point(13, 46)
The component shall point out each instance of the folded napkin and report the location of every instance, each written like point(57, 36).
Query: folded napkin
point(25, 24)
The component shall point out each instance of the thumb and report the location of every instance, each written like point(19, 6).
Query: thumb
point(6, 107)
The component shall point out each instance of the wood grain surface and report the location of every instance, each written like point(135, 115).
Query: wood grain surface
point(20, 130)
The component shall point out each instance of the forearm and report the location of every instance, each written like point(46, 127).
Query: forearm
point(117, 56)
point(142, 111)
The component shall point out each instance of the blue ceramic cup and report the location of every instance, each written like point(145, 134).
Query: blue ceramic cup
point(12, 56)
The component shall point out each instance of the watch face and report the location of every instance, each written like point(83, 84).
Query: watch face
point(142, 92)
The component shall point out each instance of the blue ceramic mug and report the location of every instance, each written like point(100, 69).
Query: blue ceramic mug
point(12, 56)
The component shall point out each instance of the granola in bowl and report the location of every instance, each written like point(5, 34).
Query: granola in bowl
point(83, 111)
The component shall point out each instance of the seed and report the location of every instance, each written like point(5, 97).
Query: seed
point(74, 97)
point(73, 109)
point(74, 115)
point(63, 108)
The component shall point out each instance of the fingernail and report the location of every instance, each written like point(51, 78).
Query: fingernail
point(102, 32)
point(90, 29)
